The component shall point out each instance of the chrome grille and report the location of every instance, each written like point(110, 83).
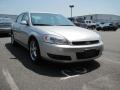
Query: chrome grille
point(85, 42)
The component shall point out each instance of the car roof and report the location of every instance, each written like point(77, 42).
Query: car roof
point(41, 12)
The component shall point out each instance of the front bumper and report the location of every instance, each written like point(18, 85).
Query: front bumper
point(69, 53)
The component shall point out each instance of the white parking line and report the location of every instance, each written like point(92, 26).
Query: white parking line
point(65, 73)
point(68, 76)
point(9, 79)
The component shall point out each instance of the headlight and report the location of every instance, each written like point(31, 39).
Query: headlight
point(53, 39)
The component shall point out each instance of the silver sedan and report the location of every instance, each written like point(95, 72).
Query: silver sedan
point(55, 38)
point(5, 25)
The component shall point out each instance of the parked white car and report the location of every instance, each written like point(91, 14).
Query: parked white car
point(90, 24)
point(55, 38)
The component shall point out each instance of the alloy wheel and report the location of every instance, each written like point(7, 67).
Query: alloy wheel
point(33, 50)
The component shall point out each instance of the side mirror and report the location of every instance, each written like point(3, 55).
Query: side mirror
point(24, 22)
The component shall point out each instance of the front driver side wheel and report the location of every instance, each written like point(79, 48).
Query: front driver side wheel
point(34, 51)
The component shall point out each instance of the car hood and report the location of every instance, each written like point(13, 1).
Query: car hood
point(71, 33)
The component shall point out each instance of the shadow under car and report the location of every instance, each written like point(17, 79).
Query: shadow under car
point(48, 68)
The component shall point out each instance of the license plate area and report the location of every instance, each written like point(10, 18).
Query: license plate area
point(87, 54)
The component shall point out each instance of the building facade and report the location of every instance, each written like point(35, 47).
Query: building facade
point(101, 18)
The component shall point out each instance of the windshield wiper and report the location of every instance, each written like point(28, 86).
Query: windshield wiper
point(42, 25)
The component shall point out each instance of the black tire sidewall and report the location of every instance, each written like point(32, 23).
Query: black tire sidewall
point(12, 38)
point(37, 60)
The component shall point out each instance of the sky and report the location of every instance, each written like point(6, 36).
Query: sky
point(82, 7)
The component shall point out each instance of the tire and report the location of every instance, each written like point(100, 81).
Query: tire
point(115, 29)
point(13, 42)
point(34, 51)
point(98, 29)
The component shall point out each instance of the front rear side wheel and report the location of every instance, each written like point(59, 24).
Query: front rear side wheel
point(34, 51)
point(12, 39)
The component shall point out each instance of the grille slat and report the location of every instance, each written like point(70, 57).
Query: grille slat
point(85, 42)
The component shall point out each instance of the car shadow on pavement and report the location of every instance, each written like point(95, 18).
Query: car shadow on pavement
point(49, 68)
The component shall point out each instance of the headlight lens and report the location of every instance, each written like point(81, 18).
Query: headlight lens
point(53, 39)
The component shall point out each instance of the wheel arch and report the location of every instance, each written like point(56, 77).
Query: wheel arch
point(31, 37)
point(36, 36)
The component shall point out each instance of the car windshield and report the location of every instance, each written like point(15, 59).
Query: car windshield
point(45, 19)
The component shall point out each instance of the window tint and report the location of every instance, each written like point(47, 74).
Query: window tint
point(19, 18)
point(89, 21)
point(25, 17)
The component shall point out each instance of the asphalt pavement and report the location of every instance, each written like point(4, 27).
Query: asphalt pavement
point(18, 73)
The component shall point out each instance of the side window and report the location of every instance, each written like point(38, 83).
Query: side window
point(25, 18)
point(19, 18)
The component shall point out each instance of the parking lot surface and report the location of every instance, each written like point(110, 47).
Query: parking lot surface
point(18, 73)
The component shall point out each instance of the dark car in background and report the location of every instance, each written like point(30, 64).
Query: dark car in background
point(106, 27)
point(5, 25)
